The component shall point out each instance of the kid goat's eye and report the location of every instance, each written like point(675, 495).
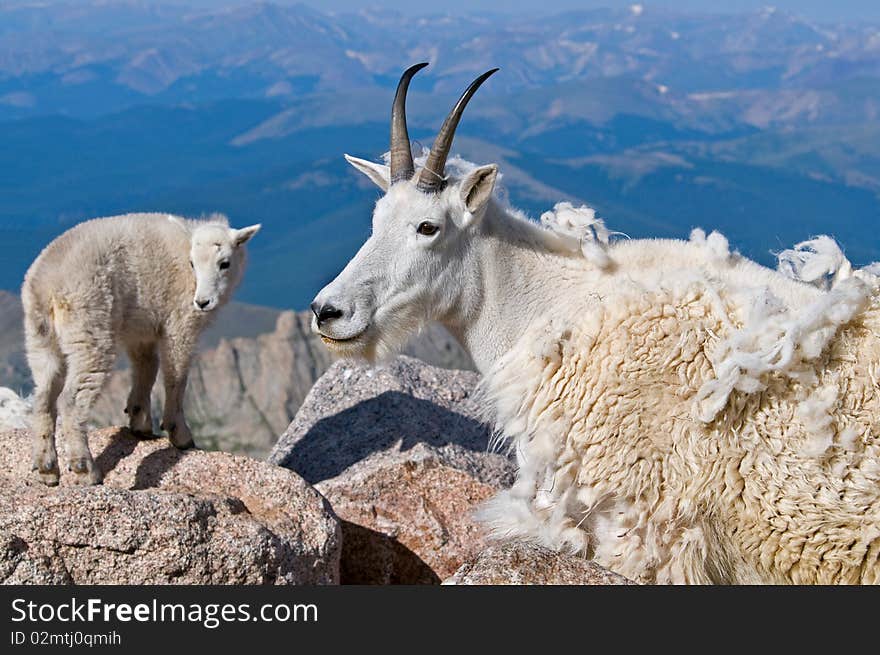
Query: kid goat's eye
point(191, 264)
point(427, 229)
point(224, 266)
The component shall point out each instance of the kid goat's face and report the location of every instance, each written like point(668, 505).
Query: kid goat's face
point(216, 258)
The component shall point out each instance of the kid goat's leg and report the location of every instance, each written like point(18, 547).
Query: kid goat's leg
point(175, 357)
point(47, 369)
point(144, 367)
point(88, 365)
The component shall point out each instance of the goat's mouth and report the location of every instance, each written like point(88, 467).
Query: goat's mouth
point(334, 341)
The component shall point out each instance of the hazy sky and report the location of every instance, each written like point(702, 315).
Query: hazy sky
point(824, 10)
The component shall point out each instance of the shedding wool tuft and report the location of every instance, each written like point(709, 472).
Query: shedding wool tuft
point(716, 243)
point(819, 262)
point(775, 339)
point(581, 230)
point(870, 275)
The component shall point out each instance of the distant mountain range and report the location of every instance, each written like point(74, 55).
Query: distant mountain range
point(763, 125)
point(91, 57)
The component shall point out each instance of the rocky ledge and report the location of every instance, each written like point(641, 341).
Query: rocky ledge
point(401, 454)
point(519, 563)
point(163, 516)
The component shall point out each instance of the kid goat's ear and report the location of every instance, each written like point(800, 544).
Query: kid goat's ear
point(476, 189)
point(378, 173)
point(242, 236)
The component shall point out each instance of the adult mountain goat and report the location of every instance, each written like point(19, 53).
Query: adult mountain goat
point(679, 412)
point(147, 282)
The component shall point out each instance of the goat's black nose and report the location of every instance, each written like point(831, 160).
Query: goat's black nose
point(325, 313)
point(203, 303)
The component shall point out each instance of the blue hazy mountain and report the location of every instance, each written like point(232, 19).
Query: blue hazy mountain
point(762, 125)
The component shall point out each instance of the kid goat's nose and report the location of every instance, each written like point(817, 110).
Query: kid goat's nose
point(324, 313)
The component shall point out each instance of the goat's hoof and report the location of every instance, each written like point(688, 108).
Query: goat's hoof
point(48, 478)
point(87, 479)
point(140, 424)
point(182, 439)
point(47, 472)
point(178, 433)
point(85, 472)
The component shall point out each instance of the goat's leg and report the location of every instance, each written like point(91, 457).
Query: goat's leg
point(144, 367)
point(88, 366)
point(47, 369)
point(175, 357)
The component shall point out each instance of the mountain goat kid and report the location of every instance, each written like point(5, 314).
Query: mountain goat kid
point(679, 412)
point(147, 282)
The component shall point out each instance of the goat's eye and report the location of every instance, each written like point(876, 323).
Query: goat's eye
point(427, 229)
point(191, 264)
point(224, 266)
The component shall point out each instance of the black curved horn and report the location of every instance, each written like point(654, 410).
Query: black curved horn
point(432, 176)
point(402, 167)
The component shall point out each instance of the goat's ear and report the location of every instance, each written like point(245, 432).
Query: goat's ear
point(476, 189)
point(179, 222)
point(378, 173)
point(242, 236)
